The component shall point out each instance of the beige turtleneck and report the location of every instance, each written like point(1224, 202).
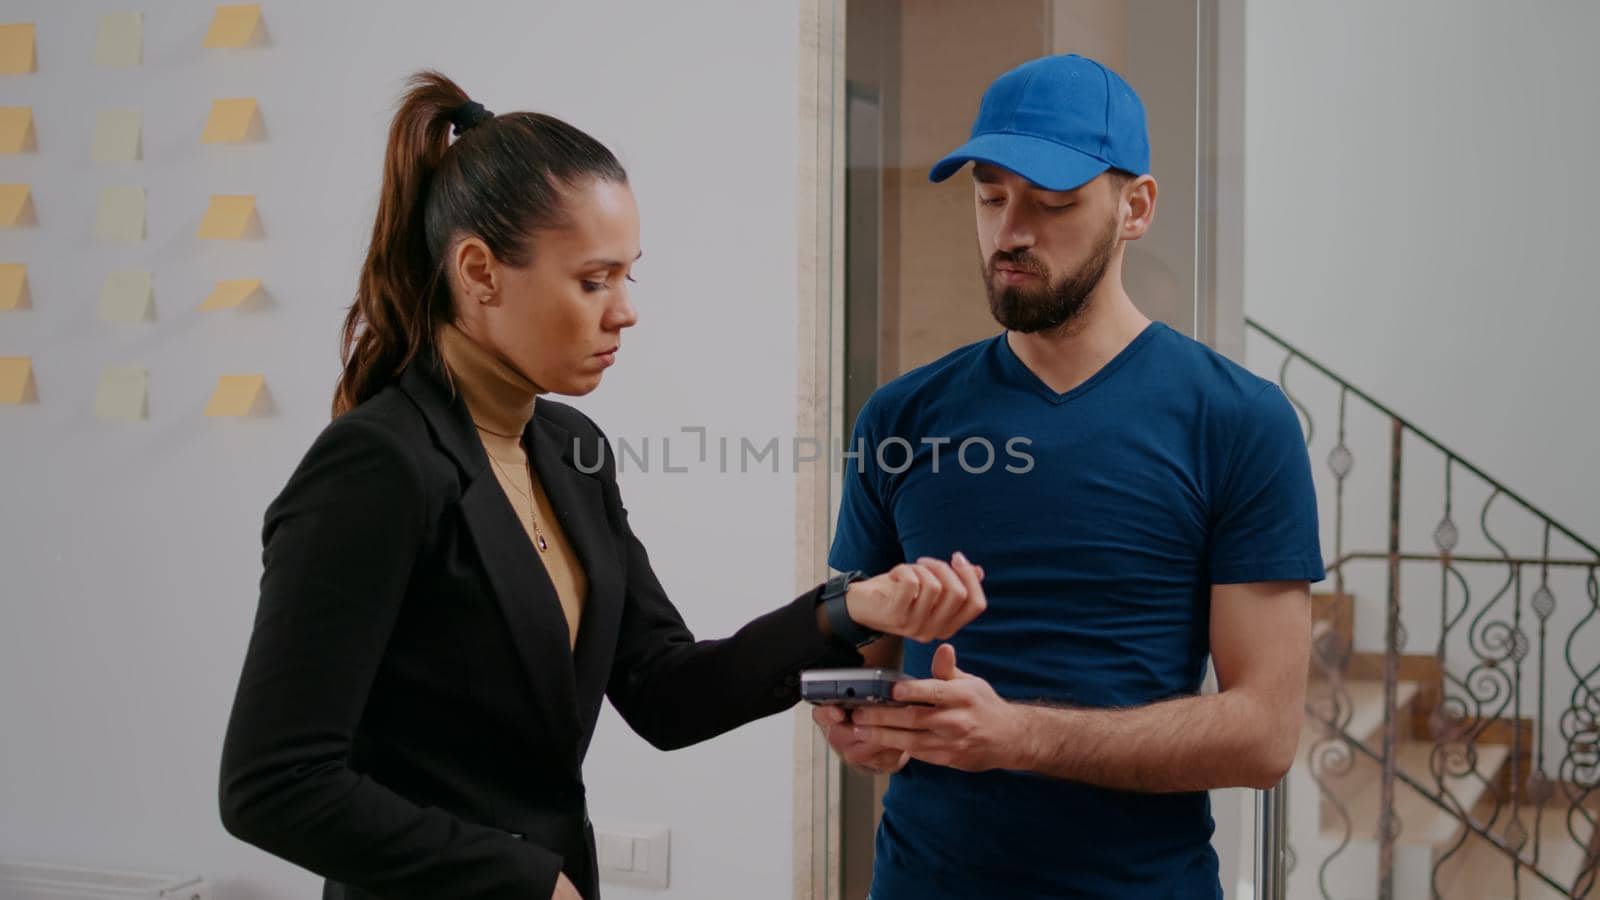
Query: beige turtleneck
point(501, 401)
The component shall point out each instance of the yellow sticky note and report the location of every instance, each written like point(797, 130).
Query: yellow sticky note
point(120, 42)
point(234, 26)
point(232, 294)
point(239, 395)
point(123, 393)
point(16, 129)
point(17, 55)
point(128, 297)
point(230, 217)
point(16, 205)
point(14, 287)
point(116, 135)
point(16, 380)
point(121, 214)
point(232, 121)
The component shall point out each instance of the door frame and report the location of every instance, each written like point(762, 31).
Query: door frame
point(820, 229)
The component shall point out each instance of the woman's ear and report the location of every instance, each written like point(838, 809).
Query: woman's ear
point(477, 272)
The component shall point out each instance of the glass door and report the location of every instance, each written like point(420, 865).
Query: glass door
point(903, 85)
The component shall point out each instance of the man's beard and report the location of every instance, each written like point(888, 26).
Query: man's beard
point(1046, 306)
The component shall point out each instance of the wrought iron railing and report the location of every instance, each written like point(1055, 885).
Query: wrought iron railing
point(1519, 669)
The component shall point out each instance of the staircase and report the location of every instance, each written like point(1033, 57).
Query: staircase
point(1450, 802)
point(1472, 771)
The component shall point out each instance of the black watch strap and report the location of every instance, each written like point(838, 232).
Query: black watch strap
point(845, 629)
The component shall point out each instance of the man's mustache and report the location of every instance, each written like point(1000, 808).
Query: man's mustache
point(1021, 261)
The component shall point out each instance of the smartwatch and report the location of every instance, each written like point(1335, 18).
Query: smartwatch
point(845, 629)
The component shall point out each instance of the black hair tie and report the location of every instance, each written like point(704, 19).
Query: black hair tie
point(469, 115)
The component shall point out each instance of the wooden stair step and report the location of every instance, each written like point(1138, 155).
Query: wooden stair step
point(1366, 713)
point(1366, 725)
point(1366, 722)
point(1478, 869)
point(1422, 822)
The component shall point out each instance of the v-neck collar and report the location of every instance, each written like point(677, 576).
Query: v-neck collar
point(1023, 376)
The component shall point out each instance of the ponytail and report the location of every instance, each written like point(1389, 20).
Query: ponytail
point(500, 181)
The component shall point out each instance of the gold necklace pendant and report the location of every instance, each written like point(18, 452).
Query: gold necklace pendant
point(533, 516)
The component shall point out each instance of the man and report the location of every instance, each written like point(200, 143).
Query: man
point(1155, 507)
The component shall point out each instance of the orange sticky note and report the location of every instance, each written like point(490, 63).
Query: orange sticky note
point(17, 56)
point(234, 26)
point(232, 122)
point(232, 294)
point(16, 381)
point(238, 395)
point(16, 129)
point(14, 287)
point(16, 205)
point(230, 218)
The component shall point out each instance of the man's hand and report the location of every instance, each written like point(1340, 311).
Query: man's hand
point(930, 600)
point(964, 724)
point(836, 727)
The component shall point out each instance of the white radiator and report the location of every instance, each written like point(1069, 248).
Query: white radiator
point(39, 881)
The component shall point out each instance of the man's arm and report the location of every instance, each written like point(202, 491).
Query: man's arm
point(1243, 736)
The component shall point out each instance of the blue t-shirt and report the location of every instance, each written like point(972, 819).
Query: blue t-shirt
point(1102, 517)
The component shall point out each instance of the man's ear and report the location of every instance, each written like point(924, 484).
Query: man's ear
point(1138, 207)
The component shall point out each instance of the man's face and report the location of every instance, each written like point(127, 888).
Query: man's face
point(1044, 252)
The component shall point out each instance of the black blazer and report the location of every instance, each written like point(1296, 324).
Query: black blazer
point(410, 721)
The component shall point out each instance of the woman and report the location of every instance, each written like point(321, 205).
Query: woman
point(451, 585)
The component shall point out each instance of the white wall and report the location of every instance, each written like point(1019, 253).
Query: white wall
point(1420, 196)
point(130, 552)
point(1420, 199)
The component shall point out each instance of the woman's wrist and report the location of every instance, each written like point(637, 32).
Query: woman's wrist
point(833, 612)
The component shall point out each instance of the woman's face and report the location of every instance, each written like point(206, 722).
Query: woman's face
point(559, 319)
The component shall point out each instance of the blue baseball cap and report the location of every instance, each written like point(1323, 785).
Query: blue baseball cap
point(1059, 122)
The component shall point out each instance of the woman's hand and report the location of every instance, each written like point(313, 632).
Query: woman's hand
point(928, 600)
point(565, 889)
